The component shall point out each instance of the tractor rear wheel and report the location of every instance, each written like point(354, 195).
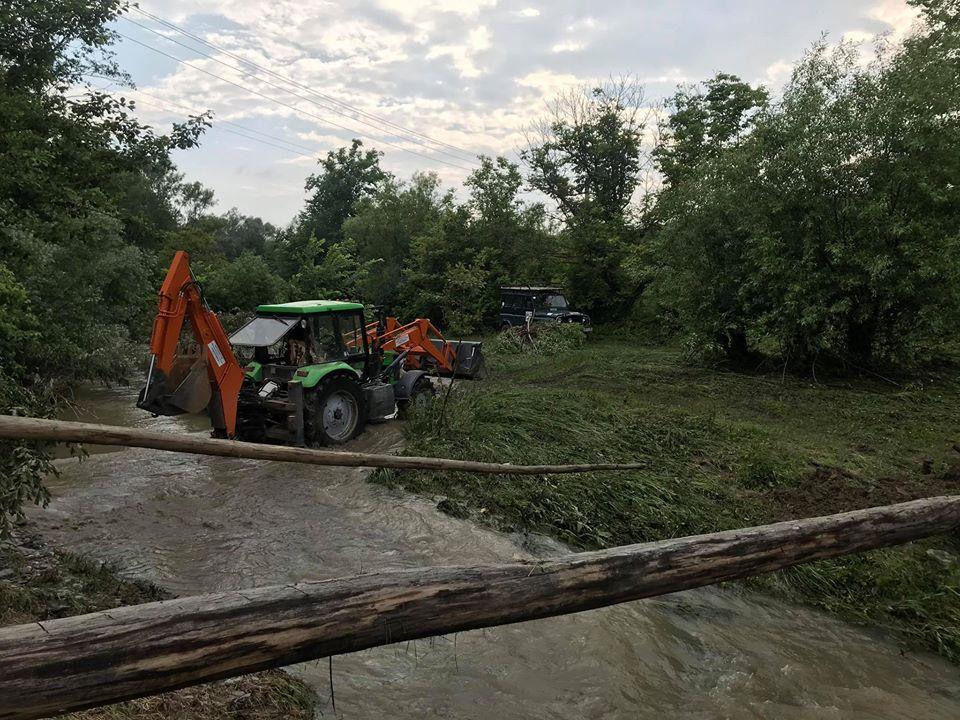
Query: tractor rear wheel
point(335, 412)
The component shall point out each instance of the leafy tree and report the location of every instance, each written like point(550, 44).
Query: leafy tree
point(77, 255)
point(384, 227)
point(347, 176)
point(587, 156)
point(337, 274)
point(703, 120)
point(830, 233)
point(242, 284)
point(520, 247)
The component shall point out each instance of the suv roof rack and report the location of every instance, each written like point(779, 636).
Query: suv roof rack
point(528, 288)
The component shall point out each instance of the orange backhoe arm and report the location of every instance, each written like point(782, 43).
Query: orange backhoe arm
point(414, 338)
point(181, 298)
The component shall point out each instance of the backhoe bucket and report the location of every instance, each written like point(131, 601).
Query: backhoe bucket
point(469, 362)
point(191, 388)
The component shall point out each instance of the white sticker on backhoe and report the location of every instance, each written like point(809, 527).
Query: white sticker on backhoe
point(402, 339)
point(215, 351)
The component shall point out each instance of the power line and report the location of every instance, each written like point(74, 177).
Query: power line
point(159, 106)
point(243, 135)
point(254, 76)
point(289, 80)
point(288, 105)
point(314, 152)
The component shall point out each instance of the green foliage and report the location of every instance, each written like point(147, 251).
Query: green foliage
point(244, 283)
point(464, 288)
point(339, 275)
point(384, 227)
point(347, 176)
point(828, 232)
point(587, 158)
point(703, 121)
point(87, 195)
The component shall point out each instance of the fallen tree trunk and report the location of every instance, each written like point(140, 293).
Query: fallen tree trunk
point(79, 662)
point(21, 428)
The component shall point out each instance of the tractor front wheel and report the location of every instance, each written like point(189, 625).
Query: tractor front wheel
point(335, 412)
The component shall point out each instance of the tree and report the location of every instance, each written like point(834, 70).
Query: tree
point(82, 208)
point(384, 227)
point(829, 233)
point(703, 120)
point(348, 175)
point(587, 156)
point(242, 284)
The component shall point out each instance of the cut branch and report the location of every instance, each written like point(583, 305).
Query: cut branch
point(21, 428)
point(95, 659)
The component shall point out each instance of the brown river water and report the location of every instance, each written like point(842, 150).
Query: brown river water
point(199, 524)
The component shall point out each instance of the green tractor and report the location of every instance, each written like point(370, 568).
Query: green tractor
point(313, 373)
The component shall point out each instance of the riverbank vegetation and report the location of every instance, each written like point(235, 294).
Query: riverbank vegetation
point(38, 583)
point(722, 450)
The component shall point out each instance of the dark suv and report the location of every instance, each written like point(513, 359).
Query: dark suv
point(545, 304)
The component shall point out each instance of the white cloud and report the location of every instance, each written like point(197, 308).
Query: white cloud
point(778, 73)
point(896, 14)
point(568, 46)
point(548, 83)
point(528, 12)
point(412, 9)
point(463, 56)
point(858, 36)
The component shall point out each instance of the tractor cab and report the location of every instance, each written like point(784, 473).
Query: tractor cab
point(304, 337)
point(310, 377)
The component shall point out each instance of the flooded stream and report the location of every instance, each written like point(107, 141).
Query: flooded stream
point(199, 524)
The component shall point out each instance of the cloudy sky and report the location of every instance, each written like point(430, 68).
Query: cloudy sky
point(437, 81)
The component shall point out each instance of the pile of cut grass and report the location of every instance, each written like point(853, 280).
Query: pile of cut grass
point(721, 450)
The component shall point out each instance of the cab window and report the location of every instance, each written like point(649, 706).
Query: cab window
point(325, 343)
point(351, 333)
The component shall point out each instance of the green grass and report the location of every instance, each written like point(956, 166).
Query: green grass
point(720, 450)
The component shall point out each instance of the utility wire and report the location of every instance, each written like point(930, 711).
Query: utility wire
point(254, 76)
point(291, 81)
point(314, 152)
point(244, 135)
point(288, 105)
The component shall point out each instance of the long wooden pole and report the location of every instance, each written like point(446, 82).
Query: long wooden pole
point(22, 428)
point(79, 662)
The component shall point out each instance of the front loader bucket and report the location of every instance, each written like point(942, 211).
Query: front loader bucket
point(469, 362)
point(191, 388)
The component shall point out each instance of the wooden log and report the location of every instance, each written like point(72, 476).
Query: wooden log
point(21, 428)
point(79, 662)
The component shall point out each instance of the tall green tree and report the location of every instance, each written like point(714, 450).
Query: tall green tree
point(703, 120)
point(75, 255)
point(586, 155)
point(830, 232)
point(347, 176)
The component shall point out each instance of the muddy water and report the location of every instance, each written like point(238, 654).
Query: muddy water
point(197, 524)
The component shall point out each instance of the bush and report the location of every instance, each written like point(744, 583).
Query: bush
point(543, 339)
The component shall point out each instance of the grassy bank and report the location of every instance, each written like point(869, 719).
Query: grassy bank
point(722, 450)
point(37, 583)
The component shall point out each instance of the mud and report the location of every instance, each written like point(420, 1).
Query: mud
point(198, 524)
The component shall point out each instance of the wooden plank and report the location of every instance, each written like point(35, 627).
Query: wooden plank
point(79, 662)
point(21, 428)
